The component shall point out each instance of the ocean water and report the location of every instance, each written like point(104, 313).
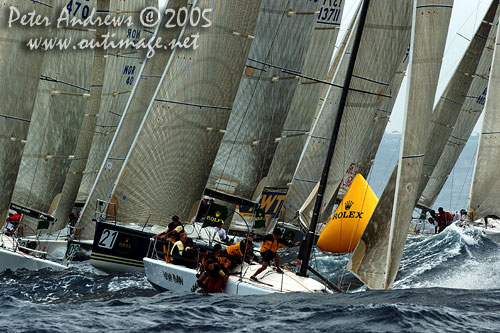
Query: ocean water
point(447, 283)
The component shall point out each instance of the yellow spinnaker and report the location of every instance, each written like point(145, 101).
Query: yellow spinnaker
point(343, 231)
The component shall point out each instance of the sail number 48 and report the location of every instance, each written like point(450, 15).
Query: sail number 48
point(108, 238)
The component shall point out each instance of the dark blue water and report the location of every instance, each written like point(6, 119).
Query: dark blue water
point(447, 283)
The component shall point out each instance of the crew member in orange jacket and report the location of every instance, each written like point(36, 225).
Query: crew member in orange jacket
point(270, 246)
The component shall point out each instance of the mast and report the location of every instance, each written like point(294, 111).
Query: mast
point(309, 239)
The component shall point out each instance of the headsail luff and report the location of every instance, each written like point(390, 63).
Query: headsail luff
point(469, 115)
point(57, 116)
point(485, 189)
point(376, 260)
point(264, 97)
point(113, 75)
point(21, 76)
point(169, 163)
point(450, 104)
point(373, 90)
point(306, 98)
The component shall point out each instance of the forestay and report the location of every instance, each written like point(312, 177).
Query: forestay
point(284, 32)
point(169, 163)
point(377, 257)
point(113, 75)
point(18, 87)
point(57, 114)
point(151, 73)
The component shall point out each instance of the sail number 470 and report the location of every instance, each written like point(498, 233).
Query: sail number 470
point(108, 238)
point(75, 7)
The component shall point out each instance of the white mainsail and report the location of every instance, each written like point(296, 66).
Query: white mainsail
point(376, 81)
point(485, 189)
point(469, 115)
point(148, 79)
point(284, 32)
point(21, 76)
point(57, 116)
point(376, 259)
point(306, 98)
point(113, 76)
point(169, 163)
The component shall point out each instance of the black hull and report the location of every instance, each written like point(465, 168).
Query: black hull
point(118, 249)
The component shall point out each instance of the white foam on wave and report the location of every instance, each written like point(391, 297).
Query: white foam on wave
point(434, 253)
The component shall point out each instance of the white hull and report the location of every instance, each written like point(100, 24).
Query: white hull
point(172, 277)
point(55, 248)
point(13, 259)
point(492, 232)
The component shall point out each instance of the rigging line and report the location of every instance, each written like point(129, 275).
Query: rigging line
point(251, 97)
point(339, 86)
point(36, 2)
point(14, 118)
point(50, 79)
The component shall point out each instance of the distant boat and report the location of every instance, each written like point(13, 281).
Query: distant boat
point(180, 131)
point(378, 255)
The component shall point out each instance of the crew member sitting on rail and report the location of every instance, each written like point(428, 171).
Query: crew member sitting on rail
point(270, 246)
point(223, 261)
point(12, 223)
point(235, 252)
point(178, 248)
point(213, 278)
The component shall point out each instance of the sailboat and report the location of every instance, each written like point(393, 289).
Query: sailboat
point(21, 77)
point(165, 275)
point(57, 116)
point(169, 275)
point(485, 185)
point(377, 257)
point(180, 132)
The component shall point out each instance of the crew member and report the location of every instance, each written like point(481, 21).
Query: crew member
point(12, 223)
point(236, 252)
point(175, 225)
point(270, 246)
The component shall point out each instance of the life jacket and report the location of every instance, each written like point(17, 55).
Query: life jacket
point(272, 243)
point(222, 260)
point(178, 245)
point(234, 250)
